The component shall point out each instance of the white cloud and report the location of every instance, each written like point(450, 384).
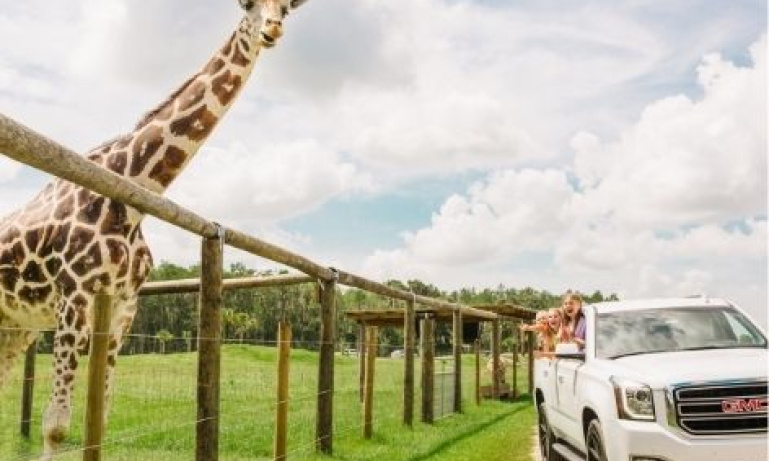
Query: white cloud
point(266, 183)
point(686, 161)
point(512, 212)
point(8, 169)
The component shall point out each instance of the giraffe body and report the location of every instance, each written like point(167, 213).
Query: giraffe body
point(68, 243)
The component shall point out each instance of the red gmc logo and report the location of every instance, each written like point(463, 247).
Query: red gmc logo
point(744, 405)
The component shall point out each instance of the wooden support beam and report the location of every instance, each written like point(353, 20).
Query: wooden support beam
point(428, 369)
point(356, 281)
point(97, 378)
point(325, 415)
point(477, 371)
point(368, 400)
point(496, 368)
point(531, 339)
point(361, 360)
point(409, 338)
point(193, 285)
point(281, 407)
point(28, 390)
point(457, 340)
point(515, 360)
point(209, 350)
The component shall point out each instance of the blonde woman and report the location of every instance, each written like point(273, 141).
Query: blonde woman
point(540, 326)
point(557, 325)
point(575, 318)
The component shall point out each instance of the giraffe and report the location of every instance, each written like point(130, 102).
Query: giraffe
point(68, 243)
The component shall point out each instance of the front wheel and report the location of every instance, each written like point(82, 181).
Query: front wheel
point(594, 442)
point(546, 436)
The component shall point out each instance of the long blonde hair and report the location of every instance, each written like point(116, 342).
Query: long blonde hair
point(571, 322)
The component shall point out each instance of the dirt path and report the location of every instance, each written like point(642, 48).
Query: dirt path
point(535, 447)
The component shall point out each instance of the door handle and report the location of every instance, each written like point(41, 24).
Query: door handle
point(561, 379)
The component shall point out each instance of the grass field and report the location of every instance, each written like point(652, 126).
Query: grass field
point(153, 415)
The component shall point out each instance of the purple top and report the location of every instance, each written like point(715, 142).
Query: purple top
point(579, 330)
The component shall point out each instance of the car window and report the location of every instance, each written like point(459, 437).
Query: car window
point(662, 330)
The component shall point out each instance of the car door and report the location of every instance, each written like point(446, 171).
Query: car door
point(568, 403)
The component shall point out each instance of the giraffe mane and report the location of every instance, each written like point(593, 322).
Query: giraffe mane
point(144, 121)
point(147, 118)
point(104, 145)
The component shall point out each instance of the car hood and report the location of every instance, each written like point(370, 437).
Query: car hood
point(662, 369)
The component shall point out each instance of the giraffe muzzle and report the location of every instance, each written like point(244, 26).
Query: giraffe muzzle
point(267, 41)
point(271, 32)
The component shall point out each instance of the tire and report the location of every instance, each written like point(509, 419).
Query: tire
point(596, 450)
point(546, 437)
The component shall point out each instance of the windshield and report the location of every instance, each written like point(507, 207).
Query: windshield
point(635, 332)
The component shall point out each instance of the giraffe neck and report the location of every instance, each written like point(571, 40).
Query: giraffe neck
point(162, 143)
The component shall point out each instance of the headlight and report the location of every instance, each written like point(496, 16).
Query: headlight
point(634, 400)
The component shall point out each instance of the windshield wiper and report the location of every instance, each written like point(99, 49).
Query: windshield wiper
point(630, 354)
point(730, 346)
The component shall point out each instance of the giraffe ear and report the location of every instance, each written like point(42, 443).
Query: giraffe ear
point(297, 3)
point(246, 4)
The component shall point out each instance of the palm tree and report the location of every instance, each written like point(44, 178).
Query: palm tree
point(242, 324)
point(163, 336)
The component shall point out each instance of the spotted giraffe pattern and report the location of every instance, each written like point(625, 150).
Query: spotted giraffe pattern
point(68, 243)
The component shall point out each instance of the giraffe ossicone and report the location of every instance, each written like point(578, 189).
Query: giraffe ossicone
point(68, 243)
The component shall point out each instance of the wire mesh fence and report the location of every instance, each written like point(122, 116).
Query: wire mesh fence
point(153, 409)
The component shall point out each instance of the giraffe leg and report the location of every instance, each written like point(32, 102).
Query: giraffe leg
point(70, 341)
point(120, 327)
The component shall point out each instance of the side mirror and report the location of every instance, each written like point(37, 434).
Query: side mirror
point(569, 351)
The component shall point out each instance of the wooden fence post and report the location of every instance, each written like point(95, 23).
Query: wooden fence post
point(408, 363)
point(28, 390)
point(368, 401)
point(361, 359)
point(457, 361)
point(97, 377)
point(530, 336)
point(209, 350)
point(477, 371)
point(281, 409)
point(515, 359)
point(325, 414)
point(428, 368)
point(495, 369)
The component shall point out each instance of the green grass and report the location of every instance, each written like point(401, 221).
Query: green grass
point(154, 413)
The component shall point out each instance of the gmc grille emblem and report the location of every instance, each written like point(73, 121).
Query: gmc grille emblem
point(744, 405)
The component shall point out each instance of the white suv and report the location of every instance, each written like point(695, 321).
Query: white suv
point(659, 380)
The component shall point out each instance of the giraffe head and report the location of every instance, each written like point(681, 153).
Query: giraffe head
point(270, 14)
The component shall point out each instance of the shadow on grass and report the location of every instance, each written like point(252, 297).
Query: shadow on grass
point(472, 430)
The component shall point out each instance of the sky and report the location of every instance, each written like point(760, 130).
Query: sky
point(602, 145)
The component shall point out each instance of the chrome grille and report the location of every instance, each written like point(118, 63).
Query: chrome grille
point(723, 408)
